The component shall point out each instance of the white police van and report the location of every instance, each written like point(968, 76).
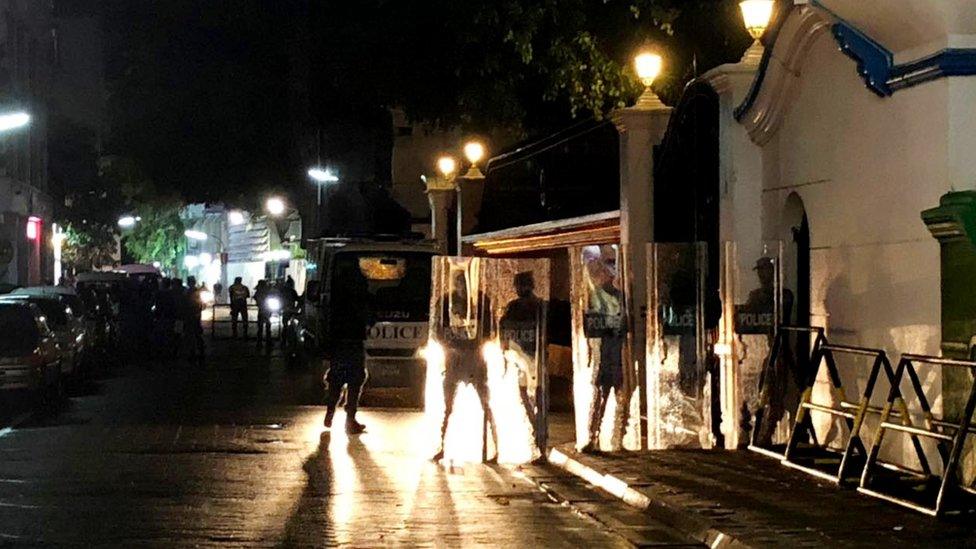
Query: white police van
point(397, 273)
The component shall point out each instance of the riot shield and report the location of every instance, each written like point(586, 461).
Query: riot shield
point(604, 376)
point(678, 359)
point(765, 402)
point(486, 385)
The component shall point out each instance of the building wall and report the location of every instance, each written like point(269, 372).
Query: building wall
point(864, 167)
point(26, 56)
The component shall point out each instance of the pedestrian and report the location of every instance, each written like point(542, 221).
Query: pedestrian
point(347, 366)
point(261, 294)
point(239, 294)
point(192, 323)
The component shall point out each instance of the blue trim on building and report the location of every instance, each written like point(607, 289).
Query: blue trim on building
point(875, 64)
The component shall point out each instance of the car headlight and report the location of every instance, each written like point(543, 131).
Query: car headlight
point(273, 304)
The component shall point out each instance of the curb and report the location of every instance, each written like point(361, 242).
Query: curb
point(675, 517)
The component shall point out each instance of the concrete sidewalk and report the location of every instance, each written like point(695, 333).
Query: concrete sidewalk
point(725, 499)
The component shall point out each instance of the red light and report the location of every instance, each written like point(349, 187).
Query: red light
point(33, 228)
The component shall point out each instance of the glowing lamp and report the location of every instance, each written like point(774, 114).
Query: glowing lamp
point(195, 235)
point(756, 15)
point(275, 206)
point(447, 166)
point(648, 65)
point(323, 175)
point(12, 121)
point(235, 217)
point(474, 151)
point(127, 222)
point(33, 228)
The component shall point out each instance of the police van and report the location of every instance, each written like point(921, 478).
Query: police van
point(397, 272)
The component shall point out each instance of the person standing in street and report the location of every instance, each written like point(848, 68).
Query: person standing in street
point(261, 294)
point(239, 294)
point(192, 324)
point(347, 366)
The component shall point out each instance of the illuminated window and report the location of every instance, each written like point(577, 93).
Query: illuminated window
point(383, 268)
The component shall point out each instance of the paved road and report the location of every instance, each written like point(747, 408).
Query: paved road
point(233, 454)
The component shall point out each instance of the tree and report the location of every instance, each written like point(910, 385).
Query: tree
point(87, 248)
point(530, 64)
point(158, 236)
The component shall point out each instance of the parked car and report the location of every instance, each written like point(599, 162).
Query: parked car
point(30, 358)
point(68, 328)
point(83, 324)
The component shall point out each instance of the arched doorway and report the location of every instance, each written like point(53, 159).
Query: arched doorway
point(795, 234)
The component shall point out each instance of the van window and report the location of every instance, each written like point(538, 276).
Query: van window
point(398, 282)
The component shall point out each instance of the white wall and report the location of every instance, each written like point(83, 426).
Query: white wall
point(864, 167)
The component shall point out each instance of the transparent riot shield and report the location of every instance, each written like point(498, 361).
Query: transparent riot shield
point(679, 384)
point(486, 384)
point(604, 376)
point(764, 402)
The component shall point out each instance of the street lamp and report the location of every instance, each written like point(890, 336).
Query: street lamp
point(275, 206)
point(321, 177)
point(235, 217)
point(447, 166)
point(756, 15)
point(14, 120)
point(648, 64)
point(195, 235)
point(127, 222)
point(474, 151)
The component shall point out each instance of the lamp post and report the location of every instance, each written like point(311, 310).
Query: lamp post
point(474, 151)
point(648, 64)
point(447, 168)
point(641, 127)
point(756, 15)
point(321, 176)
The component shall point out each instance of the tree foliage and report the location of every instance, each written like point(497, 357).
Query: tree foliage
point(158, 236)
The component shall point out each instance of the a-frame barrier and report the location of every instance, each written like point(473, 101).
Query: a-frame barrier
point(923, 490)
point(843, 461)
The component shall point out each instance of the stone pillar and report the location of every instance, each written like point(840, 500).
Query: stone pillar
point(740, 222)
point(641, 129)
point(440, 199)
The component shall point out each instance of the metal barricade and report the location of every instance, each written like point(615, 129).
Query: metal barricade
point(922, 491)
point(830, 462)
point(221, 322)
point(780, 342)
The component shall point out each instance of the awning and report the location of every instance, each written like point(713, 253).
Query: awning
point(602, 228)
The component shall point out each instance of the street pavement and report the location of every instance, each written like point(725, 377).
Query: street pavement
point(233, 453)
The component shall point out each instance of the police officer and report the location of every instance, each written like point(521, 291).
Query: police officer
point(239, 294)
